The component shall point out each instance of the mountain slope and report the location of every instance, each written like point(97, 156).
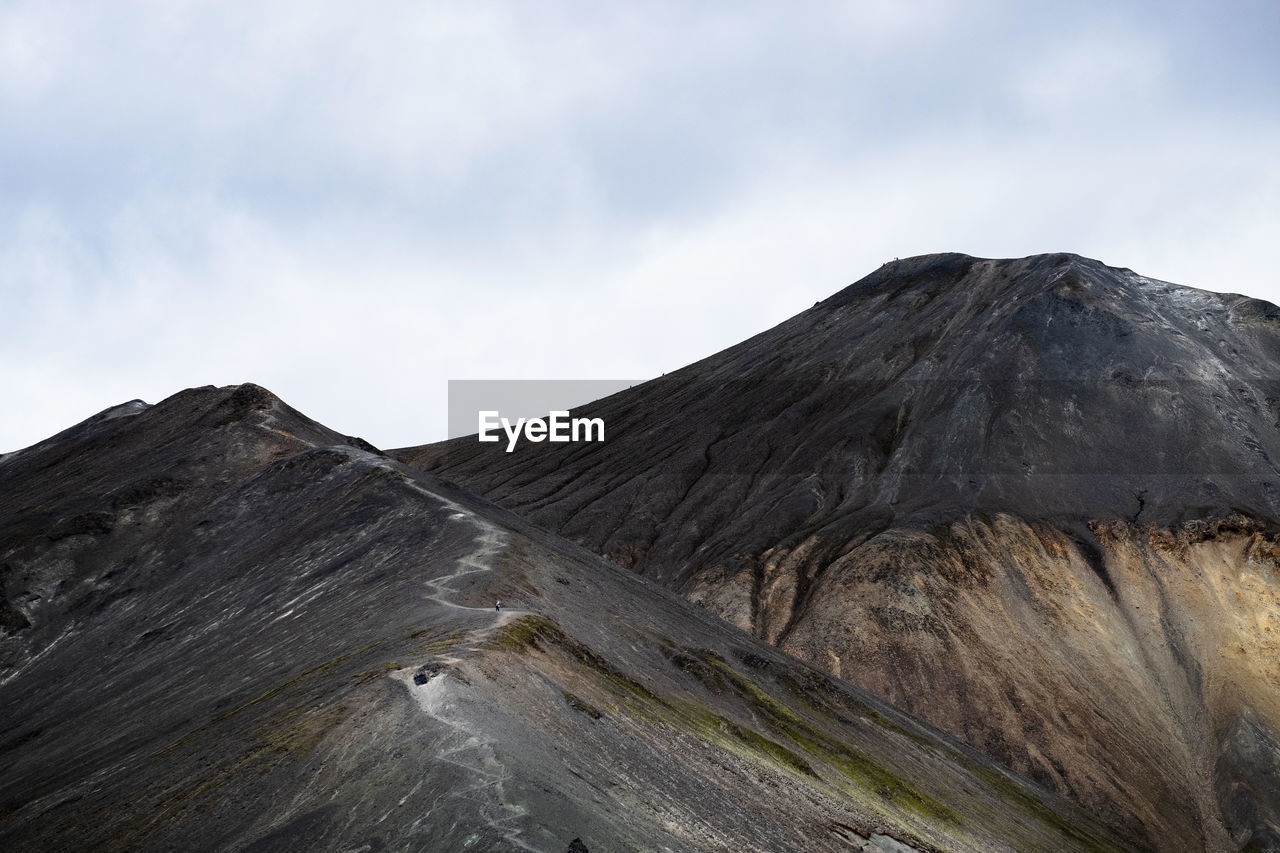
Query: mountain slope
point(1034, 501)
point(227, 627)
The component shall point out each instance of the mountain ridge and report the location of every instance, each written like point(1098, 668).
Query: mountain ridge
point(241, 630)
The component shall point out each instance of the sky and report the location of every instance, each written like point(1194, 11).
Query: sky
point(351, 204)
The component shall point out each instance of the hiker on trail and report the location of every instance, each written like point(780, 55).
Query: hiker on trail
point(498, 606)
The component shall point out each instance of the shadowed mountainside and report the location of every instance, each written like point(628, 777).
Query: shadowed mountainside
point(225, 627)
point(1033, 501)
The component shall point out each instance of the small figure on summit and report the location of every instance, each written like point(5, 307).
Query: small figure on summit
point(498, 606)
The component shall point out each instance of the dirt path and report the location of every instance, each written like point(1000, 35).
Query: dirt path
point(464, 745)
point(490, 543)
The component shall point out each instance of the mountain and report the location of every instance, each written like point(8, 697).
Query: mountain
point(226, 627)
point(1034, 502)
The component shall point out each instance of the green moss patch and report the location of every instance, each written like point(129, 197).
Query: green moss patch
point(1011, 793)
point(809, 741)
point(535, 632)
point(780, 738)
point(582, 705)
point(376, 672)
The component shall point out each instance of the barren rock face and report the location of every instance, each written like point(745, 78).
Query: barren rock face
point(1034, 501)
point(226, 627)
point(1002, 633)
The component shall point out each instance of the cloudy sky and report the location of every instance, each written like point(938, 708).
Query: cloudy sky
point(353, 203)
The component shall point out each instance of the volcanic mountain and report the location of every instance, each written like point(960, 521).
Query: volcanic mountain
point(1034, 502)
point(227, 627)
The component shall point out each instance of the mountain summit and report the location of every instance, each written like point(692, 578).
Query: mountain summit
point(1034, 501)
point(1054, 387)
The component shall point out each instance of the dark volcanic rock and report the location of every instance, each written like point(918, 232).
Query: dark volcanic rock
point(978, 488)
point(1052, 387)
point(228, 628)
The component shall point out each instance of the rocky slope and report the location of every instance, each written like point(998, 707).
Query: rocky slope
point(1033, 501)
point(225, 627)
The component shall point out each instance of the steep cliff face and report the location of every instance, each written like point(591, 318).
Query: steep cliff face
point(226, 627)
point(1033, 501)
point(1130, 698)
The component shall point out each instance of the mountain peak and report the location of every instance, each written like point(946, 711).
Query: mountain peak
point(1054, 386)
point(960, 480)
point(990, 277)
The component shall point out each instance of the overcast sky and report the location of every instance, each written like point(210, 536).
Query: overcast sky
point(352, 203)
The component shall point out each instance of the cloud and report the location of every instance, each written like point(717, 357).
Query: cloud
point(352, 206)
